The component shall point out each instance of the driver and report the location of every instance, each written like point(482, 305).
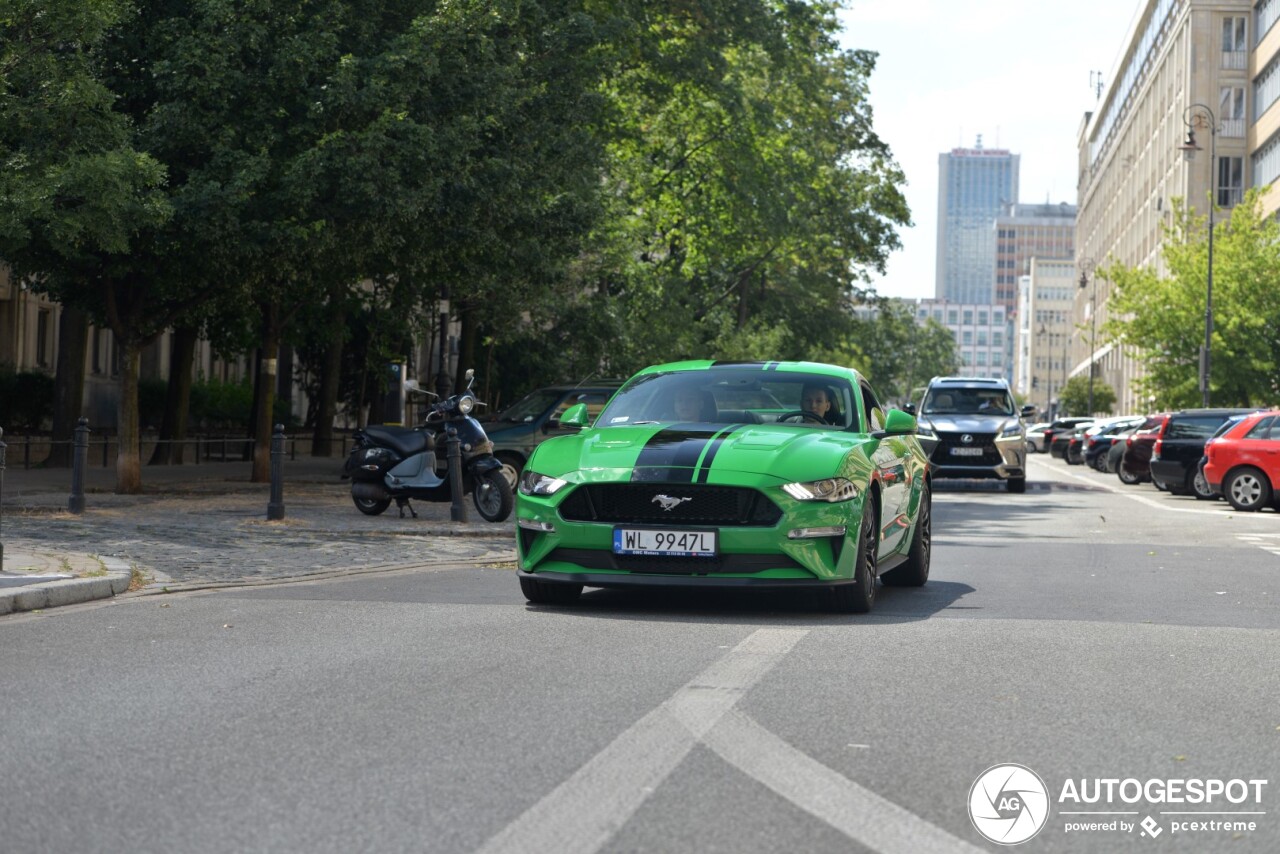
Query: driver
point(816, 399)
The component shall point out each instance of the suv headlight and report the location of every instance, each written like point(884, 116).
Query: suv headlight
point(1012, 431)
point(925, 430)
point(830, 489)
point(532, 483)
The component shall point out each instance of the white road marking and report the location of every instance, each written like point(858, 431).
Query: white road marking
point(858, 813)
point(583, 812)
point(1262, 541)
point(1142, 499)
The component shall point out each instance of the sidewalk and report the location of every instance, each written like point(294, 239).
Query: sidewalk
point(206, 525)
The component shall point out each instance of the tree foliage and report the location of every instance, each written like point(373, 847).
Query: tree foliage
point(1074, 397)
point(1162, 317)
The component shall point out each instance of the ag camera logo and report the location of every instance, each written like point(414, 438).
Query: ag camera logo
point(1008, 804)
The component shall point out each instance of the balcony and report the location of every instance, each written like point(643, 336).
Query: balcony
point(1235, 60)
point(1232, 128)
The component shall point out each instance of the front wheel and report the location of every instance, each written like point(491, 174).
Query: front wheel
point(1126, 477)
point(371, 506)
point(492, 496)
point(858, 597)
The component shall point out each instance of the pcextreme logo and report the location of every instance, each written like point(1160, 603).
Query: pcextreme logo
point(1010, 803)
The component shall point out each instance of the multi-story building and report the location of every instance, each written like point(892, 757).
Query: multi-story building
point(1046, 296)
point(1023, 232)
point(981, 331)
point(1262, 135)
point(975, 185)
point(1180, 57)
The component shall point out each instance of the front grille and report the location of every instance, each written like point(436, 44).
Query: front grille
point(639, 503)
point(986, 441)
point(722, 563)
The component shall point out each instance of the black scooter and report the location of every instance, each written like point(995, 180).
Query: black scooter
point(399, 463)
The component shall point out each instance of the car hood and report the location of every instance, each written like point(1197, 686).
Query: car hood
point(700, 451)
point(967, 423)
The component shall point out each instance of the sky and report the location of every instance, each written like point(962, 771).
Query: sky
point(1015, 71)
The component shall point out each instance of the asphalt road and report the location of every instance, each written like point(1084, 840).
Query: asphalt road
point(1084, 630)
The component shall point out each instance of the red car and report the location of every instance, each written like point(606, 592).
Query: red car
point(1135, 465)
point(1243, 464)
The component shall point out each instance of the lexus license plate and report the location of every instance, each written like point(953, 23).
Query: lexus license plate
point(966, 452)
point(650, 541)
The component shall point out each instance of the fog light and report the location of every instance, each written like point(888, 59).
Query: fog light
point(534, 525)
point(811, 533)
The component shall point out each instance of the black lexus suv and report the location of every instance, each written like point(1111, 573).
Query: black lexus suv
point(971, 427)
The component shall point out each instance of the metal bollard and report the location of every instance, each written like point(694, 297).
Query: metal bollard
point(3, 446)
point(79, 459)
point(457, 510)
point(275, 508)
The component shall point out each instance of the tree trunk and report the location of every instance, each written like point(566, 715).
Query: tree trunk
point(128, 458)
point(73, 341)
point(466, 344)
point(322, 438)
point(265, 395)
point(177, 401)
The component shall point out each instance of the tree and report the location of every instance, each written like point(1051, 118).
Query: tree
point(1074, 397)
point(1161, 317)
point(899, 355)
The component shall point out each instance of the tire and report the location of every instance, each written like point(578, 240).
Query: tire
point(1016, 485)
point(1127, 477)
point(915, 572)
point(1198, 486)
point(371, 506)
point(512, 465)
point(1100, 463)
point(1072, 459)
point(1159, 484)
point(858, 597)
point(549, 594)
point(492, 496)
point(1247, 489)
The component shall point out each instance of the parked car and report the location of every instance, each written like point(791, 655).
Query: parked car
point(1175, 456)
point(1056, 427)
point(534, 418)
point(1116, 451)
point(1243, 462)
point(1062, 439)
point(835, 497)
point(1035, 437)
point(1074, 454)
point(1100, 437)
point(1135, 464)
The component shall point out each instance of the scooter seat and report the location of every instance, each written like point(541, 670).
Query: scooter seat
point(405, 441)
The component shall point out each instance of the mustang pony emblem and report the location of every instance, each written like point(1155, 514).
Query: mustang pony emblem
point(666, 502)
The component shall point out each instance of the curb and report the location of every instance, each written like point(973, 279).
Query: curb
point(70, 591)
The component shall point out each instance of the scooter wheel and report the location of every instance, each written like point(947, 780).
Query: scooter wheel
point(371, 506)
point(492, 496)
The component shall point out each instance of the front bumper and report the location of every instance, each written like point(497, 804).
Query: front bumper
point(1002, 459)
point(609, 580)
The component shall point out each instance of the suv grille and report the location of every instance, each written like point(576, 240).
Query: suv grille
point(986, 441)
point(637, 502)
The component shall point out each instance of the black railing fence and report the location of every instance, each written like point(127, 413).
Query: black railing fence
point(34, 449)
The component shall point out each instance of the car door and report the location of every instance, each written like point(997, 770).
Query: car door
point(889, 458)
point(1260, 447)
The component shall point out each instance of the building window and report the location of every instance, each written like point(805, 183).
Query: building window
point(1231, 110)
point(1266, 163)
point(43, 320)
point(982, 358)
point(1234, 46)
point(982, 318)
point(982, 337)
point(997, 339)
point(1265, 15)
point(968, 317)
point(951, 317)
point(967, 340)
point(1230, 181)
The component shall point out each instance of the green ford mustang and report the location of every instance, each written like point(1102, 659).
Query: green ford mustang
point(729, 474)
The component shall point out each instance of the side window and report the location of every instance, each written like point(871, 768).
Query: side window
point(875, 415)
point(1261, 429)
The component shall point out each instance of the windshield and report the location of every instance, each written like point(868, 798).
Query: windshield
point(733, 395)
point(968, 401)
point(529, 407)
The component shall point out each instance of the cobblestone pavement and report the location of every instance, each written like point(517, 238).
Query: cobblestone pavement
point(210, 527)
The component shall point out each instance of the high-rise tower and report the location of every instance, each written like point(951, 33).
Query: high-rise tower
point(975, 186)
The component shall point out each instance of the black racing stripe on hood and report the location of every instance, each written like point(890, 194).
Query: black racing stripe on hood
point(674, 450)
point(705, 469)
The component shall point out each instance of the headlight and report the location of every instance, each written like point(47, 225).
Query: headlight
point(466, 403)
point(532, 483)
point(1013, 431)
point(925, 430)
point(831, 489)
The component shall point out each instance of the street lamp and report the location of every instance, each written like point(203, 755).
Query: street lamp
point(1086, 266)
point(1196, 121)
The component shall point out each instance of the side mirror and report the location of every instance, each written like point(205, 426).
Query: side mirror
point(575, 417)
point(909, 408)
point(1029, 411)
point(897, 423)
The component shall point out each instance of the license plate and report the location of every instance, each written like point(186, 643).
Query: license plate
point(651, 541)
point(966, 452)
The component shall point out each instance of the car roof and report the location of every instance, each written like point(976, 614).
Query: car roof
point(819, 368)
point(969, 382)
